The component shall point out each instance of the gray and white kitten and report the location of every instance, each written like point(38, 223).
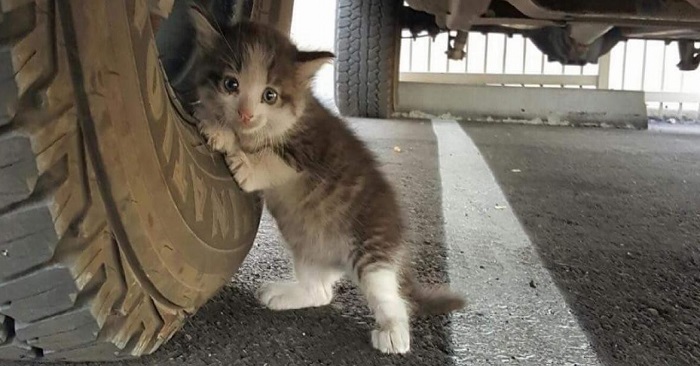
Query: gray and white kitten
point(337, 213)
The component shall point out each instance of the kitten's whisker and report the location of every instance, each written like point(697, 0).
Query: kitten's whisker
point(218, 28)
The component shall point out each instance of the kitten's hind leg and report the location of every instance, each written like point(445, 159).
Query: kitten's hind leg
point(380, 285)
point(313, 287)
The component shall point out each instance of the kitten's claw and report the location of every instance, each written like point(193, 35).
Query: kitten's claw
point(395, 338)
point(288, 296)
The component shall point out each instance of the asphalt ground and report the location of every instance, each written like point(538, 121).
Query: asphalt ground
point(584, 249)
point(615, 216)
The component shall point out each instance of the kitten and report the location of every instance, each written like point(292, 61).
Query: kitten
point(337, 213)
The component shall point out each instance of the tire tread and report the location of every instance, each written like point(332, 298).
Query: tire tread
point(65, 292)
point(366, 44)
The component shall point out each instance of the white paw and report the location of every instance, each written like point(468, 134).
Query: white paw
point(217, 143)
point(242, 172)
point(288, 296)
point(219, 138)
point(395, 338)
point(246, 180)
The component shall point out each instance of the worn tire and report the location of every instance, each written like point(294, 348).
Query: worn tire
point(115, 222)
point(367, 51)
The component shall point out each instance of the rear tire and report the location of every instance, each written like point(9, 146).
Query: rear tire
point(367, 50)
point(116, 223)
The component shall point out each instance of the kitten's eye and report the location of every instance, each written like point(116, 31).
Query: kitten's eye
point(230, 84)
point(269, 96)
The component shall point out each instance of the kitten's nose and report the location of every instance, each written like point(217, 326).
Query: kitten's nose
point(245, 115)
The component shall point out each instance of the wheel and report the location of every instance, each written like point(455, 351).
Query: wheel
point(116, 223)
point(367, 51)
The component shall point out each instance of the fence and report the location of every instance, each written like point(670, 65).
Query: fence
point(496, 59)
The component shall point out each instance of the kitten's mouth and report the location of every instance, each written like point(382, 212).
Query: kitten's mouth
point(250, 128)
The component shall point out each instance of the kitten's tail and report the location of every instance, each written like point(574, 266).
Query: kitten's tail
point(433, 299)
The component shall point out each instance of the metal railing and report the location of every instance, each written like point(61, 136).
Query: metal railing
point(499, 60)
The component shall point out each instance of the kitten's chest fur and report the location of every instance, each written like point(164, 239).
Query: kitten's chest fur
point(339, 198)
point(323, 187)
point(311, 219)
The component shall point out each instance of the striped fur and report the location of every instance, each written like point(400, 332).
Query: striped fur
point(338, 214)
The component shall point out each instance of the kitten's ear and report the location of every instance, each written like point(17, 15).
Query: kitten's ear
point(308, 62)
point(205, 29)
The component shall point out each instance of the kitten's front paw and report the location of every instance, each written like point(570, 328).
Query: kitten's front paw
point(242, 172)
point(288, 296)
point(217, 144)
point(219, 138)
point(394, 338)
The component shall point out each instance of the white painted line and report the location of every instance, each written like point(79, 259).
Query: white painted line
point(492, 261)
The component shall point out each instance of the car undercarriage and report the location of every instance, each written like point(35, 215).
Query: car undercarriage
point(569, 32)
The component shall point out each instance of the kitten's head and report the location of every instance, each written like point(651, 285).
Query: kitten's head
point(252, 78)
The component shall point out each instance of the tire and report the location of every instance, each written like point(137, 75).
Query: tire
point(367, 51)
point(115, 222)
